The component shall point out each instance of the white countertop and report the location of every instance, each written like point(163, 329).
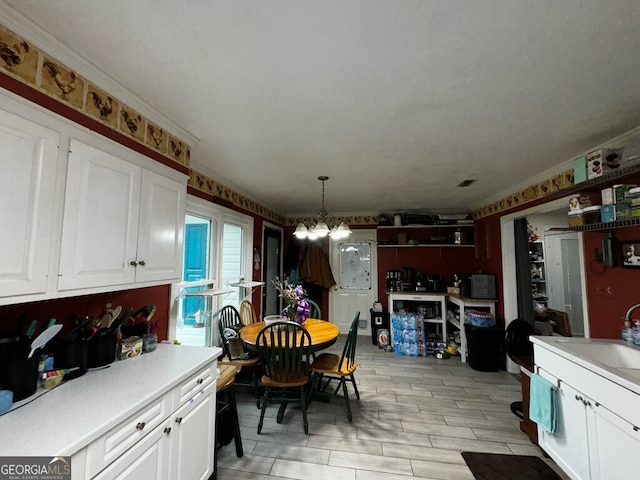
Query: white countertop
point(573, 349)
point(69, 417)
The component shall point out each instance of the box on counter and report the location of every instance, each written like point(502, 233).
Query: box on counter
point(130, 347)
point(607, 213)
point(635, 212)
point(603, 161)
point(580, 170)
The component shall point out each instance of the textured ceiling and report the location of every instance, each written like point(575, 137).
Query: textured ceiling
point(396, 101)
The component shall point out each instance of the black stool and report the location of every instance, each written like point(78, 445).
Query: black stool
point(227, 425)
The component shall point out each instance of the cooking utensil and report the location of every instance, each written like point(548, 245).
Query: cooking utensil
point(115, 313)
point(31, 329)
point(42, 339)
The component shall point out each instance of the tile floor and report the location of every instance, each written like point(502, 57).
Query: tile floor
point(414, 417)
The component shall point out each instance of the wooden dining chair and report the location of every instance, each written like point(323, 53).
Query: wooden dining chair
point(247, 313)
point(283, 348)
point(329, 366)
point(314, 309)
point(229, 325)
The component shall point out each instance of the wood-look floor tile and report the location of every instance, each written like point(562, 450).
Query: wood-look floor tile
point(310, 471)
point(376, 463)
point(290, 452)
point(420, 452)
point(441, 471)
point(464, 445)
point(346, 444)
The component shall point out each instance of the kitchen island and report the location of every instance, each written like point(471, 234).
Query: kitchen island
point(112, 417)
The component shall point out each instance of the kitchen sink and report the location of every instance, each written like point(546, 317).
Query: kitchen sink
point(613, 355)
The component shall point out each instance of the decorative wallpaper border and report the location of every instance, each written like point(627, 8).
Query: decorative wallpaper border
point(349, 220)
point(30, 65)
point(205, 184)
point(529, 194)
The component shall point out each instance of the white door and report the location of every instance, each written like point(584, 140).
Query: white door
point(27, 182)
point(100, 226)
point(161, 230)
point(354, 263)
point(564, 285)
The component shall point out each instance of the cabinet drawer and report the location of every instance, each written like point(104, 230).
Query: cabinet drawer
point(195, 383)
point(120, 439)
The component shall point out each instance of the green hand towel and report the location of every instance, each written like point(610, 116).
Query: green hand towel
point(543, 403)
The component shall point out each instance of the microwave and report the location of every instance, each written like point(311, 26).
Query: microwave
point(483, 286)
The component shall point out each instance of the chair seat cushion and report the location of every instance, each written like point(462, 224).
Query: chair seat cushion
point(298, 381)
point(240, 363)
point(328, 363)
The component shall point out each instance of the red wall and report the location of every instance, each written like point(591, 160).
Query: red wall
point(66, 309)
point(606, 311)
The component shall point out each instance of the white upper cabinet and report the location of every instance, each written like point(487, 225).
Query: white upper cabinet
point(79, 213)
point(122, 224)
point(100, 226)
point(161, 232)
point(27, 186)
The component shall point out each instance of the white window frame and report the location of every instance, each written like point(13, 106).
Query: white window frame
point(218, 215)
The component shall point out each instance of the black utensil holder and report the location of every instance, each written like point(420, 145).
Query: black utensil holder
point(138, 330)
point(70, 351)
point(22, 377)
point(102, 349)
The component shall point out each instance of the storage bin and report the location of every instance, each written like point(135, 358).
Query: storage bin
point(591, 214)
point(576, 218)
point(481, 319)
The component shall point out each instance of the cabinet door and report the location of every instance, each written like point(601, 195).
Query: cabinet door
point(27, 183)
point(192, 437)
point(614, 444)
point(146, 460)
point(100, 225)
point(569, 446)
point(160, 238)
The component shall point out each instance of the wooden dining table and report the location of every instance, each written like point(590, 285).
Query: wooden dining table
point(323, 334)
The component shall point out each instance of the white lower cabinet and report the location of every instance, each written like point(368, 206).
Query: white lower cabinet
point(569, 445)
point(192, 439)
point(148, 459)
point(156, 445)
point(593, 441)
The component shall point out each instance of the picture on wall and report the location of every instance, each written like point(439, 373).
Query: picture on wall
point(631, 254)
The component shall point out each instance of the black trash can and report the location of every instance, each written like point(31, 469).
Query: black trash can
point(484, 348)
point(379, 320)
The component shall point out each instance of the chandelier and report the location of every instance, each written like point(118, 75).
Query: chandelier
point(323, 225)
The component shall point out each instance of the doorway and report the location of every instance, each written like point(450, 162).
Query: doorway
point(509, 294)
point(271, 268)
point(354, 262)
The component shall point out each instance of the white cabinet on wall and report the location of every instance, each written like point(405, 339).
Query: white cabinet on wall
point(122, 223)
point(28, 166)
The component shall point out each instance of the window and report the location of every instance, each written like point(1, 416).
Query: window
point(217, 255)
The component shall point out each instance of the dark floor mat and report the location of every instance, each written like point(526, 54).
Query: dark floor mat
point(492, 466)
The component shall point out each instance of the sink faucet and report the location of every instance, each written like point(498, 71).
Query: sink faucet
point(627, 316)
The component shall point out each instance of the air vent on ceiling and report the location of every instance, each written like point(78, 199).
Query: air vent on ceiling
point(466, 183)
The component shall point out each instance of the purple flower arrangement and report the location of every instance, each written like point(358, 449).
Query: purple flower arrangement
point(296, 308)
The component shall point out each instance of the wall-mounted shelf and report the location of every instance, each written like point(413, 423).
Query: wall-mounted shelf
point(447, 225)
point(430, 245)
point(595, 227)
point(605, 180)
